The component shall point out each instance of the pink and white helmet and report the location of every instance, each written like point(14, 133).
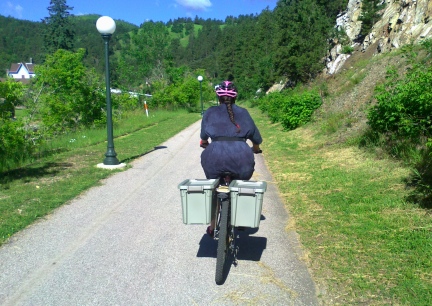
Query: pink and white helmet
point(226, 88)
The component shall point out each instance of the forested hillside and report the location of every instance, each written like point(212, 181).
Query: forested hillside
point(22, 40)
point(254, 50)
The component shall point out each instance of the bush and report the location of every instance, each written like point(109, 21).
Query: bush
point(421, 180)
point(16, 143)
point(7, 109)
point(402, 118)
point(124, 102)
point(10, 93)
point(347, 50)
point(185, 93)
point(404, 107)
point(291, 109)
point(71, 95)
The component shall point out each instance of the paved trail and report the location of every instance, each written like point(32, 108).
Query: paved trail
point(124, 243)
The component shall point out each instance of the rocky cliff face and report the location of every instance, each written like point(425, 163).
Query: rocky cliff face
point(402, 22)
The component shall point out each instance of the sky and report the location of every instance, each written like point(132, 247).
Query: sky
point(139, 11)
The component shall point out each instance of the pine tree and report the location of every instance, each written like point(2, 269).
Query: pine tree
point(369, 15)
point(58, 31)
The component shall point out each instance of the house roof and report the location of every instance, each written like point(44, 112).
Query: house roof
point(30, 67)
point(15, 67)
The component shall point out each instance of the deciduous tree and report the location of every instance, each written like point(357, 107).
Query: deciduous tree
point(72, 95)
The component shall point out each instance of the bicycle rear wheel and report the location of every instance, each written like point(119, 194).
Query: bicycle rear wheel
point(223, 242)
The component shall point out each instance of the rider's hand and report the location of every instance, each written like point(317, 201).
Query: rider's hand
point(204, 143)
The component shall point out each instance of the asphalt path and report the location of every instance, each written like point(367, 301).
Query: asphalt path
point(124, 243)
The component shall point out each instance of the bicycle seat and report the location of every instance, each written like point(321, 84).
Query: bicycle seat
point(223, 189)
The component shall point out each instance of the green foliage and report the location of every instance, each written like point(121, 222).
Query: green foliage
point(87, 37)
point(421, 178)
point(347, 50)
point(252, 50)
point(57, 31)
point(404, 106)
point(15, 138)
point(125, 102)
point(20, 40)
point(10, 93)
point(183, 94)
point(427, 45)
point(370, 15)
point(7, 109)
point(144, 59)
point(400, 122)
point(292, 109)
point(300, 49)
point(71, 95)
point(16, 143)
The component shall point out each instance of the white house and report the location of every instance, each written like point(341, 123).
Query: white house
point(22, 70)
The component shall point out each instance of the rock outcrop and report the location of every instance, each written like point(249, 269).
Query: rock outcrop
point(402, 22)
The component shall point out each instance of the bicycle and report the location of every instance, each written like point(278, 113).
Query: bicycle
point(224, 231)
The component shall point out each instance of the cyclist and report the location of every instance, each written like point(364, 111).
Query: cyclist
point(228, 126)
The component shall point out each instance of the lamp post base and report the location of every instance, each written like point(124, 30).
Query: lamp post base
point(110, 158)
point(118, 166)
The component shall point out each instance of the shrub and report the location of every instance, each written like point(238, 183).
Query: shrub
point(16, 143)
point(10, 92)
point(124, 102)
point(347, 50)
point(404, 107)
point(71, 97)
point(421, 179)
point(292, 109)
point(184, 93)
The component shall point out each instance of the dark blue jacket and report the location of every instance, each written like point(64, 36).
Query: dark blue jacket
point(233, 156)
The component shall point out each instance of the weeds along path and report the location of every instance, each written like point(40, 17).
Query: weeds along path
point(364, 242)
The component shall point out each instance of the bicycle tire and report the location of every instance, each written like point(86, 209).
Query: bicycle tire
point(222, 249)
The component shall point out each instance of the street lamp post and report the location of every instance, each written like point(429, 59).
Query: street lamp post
point(106, 26)
point(200, 79)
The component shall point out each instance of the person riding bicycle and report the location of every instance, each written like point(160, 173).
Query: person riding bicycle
point(228, 126)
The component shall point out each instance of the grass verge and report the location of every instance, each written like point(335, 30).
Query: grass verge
point(365, 244)
point(33, 191)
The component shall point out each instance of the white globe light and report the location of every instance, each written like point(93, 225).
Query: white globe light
point(105, 25)
point(200, 78)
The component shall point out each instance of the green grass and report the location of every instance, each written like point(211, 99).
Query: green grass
point(31, 192)
point(365, 244)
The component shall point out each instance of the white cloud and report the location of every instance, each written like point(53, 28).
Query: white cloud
point(13, 10)
point(200, 5)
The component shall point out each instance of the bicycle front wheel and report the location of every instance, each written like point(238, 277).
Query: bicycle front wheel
point(223, 242)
